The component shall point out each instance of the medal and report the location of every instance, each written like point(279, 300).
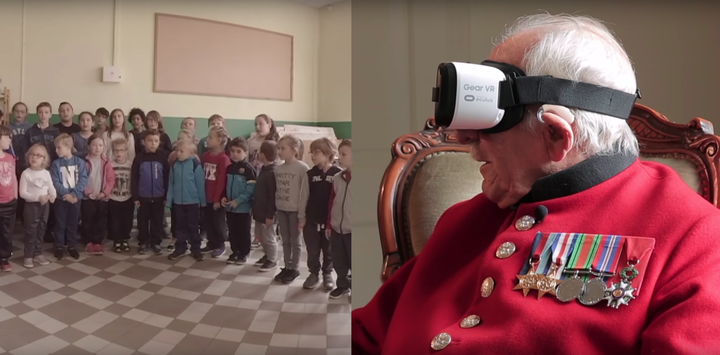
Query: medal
point(570, 288)
point(528, 281)
point(561, 247)
point(604, 262)
point(547, 283)
point(593, 292)
point(622, 292)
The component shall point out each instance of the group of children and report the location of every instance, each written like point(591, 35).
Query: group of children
point(100, 173)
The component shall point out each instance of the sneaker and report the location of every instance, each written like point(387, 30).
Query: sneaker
point(339, 292)
point(5, 265)
point(28, 263)
point(328, 282)
point(73, 253)
point(311, 282)
point(197, 255)
point(171, 247)
point(99, 250)
point(255, 245)
point(125, 246)
point(279, 277)
point(261, 261)
point(90, 249)
point(41, 259)
point(118, 248)
point(142, 249)
point(156, 249)
point(290, 276)
point(268, 266)
point(242, 260)
point(206, 249)
point(58, 253)
point(176, 254)
point(232, 258)
point(218, 252)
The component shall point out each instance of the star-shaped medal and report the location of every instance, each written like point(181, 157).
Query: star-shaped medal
point(547, 283)
point(619, 293)
point(527, 282)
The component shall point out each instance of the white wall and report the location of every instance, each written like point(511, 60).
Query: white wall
point(397, 46)
point(68, 41)
point(334, 85)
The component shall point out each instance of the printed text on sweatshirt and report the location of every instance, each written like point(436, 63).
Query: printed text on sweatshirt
point(69, 176)
point(215, 166)
point(36, 183)
point(291, 178)
point(8, 179)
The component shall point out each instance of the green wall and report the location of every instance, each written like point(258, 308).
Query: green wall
point(236, 127)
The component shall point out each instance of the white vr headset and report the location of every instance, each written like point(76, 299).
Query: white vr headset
point(491, 96)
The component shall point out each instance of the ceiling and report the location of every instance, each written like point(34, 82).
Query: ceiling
point(317, 3)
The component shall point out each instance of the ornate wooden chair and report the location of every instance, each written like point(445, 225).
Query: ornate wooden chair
point(430, 171)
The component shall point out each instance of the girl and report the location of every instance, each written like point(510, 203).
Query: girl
point(214, 121)
point(137, 119)
point(8, 198)
point(80, 139)
point(94, 208)
point(215, 162)
point(184, 135)
point(117, 130)
point(101, 121)
point(37, 189)
point(290, 180)
point(153, 120)
point(265, 130)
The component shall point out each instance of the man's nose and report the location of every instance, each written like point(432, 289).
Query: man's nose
point(465, 136)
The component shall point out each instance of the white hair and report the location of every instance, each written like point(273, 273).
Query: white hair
point(583, 49)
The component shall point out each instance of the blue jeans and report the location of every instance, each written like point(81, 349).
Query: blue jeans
point(67, 216)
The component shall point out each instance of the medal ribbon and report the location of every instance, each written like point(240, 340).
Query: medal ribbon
point(607, 259)
point(536, 242)
point(545, 261)
point(563, 251)
point(586, 254)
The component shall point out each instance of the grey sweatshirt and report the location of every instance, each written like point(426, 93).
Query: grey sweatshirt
point(290, 180)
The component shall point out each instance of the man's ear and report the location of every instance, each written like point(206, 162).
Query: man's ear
point(558, 131)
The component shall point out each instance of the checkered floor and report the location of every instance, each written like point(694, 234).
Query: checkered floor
point(120, 304)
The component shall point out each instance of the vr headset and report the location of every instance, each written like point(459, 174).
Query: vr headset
point(491, 96)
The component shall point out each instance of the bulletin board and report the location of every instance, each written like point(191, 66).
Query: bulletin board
point(204, 57)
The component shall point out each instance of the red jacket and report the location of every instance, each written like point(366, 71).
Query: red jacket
point(677, 310)
point(215, 166)
point(108, 176)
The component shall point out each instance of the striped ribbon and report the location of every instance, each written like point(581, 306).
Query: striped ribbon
point(605, 262)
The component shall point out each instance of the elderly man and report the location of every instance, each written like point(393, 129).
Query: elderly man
point(574, 247)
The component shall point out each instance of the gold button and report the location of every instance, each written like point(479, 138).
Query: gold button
point(524, 223)
point(487, 287)
point(470, 321)
point(441, 341)
point(505, 250)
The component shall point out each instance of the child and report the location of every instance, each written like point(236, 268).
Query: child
point(101, 121)
point(36, 188)
point(121, 208)
point(186, 195)
point(118, 129)
point(263, 210)
point(189, 124)
point(314, 210)
point(69, 175)
point(291, 176)
point(186, 135)
point(241, 179)
point(8, 198)
point(153, 120)
point(101, 180)
point(80, 139)
point(149, 184)
point(215, 163)
point(137, 119)
point(265, 130)
point(214, 121)
point(66, 124)
point(340, 223)
point(18, 126)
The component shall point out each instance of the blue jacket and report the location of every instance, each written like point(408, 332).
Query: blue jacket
point(69, 176)
point(149, 179)
point(240, 186)
point(187, 183)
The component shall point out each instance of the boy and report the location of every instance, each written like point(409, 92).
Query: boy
point(8, 198)
point(149, 184)
point(45, 134)
point(66, 124)
point(240, 185)
point(137, 120)
point(121, 206)
point(101, 120)
point(214, 121)
point(18, 126)
point(186, 195)
point(314, 210)
point(263, 210)
point(340, 222)
point(70, 177)
point(80, 139)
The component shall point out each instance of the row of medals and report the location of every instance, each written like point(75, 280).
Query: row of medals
point(587, 292)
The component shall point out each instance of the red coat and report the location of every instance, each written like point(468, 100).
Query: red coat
point(676, 312)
